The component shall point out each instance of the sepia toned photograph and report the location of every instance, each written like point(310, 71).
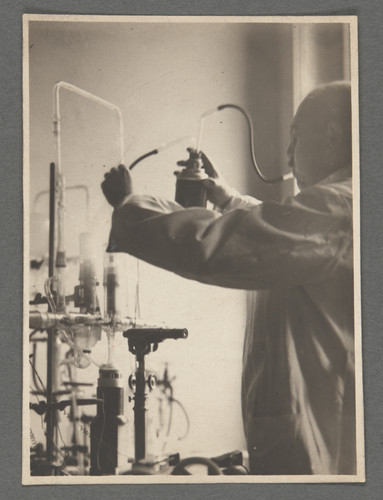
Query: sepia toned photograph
point(191, 250)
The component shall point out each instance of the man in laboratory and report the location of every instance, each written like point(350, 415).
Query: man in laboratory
point(296, 259)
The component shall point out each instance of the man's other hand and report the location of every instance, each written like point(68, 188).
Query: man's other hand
point(117, 185)
point(218, 191)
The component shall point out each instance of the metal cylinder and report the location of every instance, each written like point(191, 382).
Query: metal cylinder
point(190, 191)
point(105, 427)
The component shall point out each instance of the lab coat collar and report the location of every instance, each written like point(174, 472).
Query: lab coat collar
point(337, 176)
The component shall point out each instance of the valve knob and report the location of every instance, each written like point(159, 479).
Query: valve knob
point(152, 382)
point(132, 381)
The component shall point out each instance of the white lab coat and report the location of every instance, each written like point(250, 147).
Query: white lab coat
point(296, 258)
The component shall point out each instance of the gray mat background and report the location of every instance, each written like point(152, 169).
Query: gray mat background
point(370, 15)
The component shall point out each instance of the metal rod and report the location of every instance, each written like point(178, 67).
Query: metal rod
point(139, 410)
point(50, 415)
point(52, 216)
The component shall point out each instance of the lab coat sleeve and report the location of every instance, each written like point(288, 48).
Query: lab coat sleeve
point(240, 201)
point(269, 245)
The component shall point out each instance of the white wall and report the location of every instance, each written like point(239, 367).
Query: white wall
point(163, 77)
point(321, 55)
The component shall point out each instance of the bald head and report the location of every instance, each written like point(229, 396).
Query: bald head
point(321, 133)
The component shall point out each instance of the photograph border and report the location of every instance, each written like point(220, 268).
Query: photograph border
point(370, 37)
point(352, 21)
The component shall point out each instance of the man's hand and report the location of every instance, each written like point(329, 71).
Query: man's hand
point(218, 191)
point(117, 185)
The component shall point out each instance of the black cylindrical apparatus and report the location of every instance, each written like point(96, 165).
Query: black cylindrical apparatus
point(105, 427)
point(190, 191)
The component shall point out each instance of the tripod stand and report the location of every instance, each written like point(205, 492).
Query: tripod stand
point(141, 342)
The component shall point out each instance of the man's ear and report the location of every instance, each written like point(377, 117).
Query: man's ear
point(334, 134)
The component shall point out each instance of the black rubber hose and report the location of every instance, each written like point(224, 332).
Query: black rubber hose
point(153, 152)
point(269, 180)
point(180, 468)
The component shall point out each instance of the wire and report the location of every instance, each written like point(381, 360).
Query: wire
point(137, 306)
point(33, 333)
point(170, 416)
point(167, 390)
point(40, 388)
point(173, 400)
point(35, 373)
point(59, 431)
point(48, 293)
point(269, 180)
